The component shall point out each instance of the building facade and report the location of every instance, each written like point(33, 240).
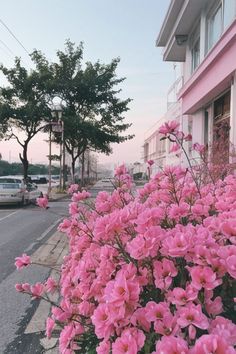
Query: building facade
point(201, 35)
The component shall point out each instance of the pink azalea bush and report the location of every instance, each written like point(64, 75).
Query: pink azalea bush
point(153, 272)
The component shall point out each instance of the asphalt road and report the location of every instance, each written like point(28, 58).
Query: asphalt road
point(103, 185)
point(22, 230)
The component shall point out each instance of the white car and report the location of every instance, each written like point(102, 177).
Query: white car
point(13, 191)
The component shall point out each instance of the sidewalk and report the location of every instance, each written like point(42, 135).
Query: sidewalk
point(51, 252)
point(57, 196)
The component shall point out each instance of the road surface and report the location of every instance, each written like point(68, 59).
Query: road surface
point(22, 230)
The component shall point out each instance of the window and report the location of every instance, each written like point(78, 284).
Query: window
point(196, 54)
point(190, 131)
point(215, 26)
point(229, 12)
point(206, 128)
point(161, 145)
point(146, 151)
point(221, 128)
point(218, 19)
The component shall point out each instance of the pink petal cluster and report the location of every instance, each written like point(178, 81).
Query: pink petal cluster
point(169, 127)
point(151, 272)
point(23, 261)
point(76, 197)
point(150, 162)
point(73, 188)
point(42, 202)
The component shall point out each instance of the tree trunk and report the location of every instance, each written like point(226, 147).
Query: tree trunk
point(73, 170)
point(82, 170)
point(24, 161)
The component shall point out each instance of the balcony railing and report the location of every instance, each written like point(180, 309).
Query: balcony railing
point(173, 91)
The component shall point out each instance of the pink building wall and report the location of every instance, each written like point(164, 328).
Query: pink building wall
point(214, 74)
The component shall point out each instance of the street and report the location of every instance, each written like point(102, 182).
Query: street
point(105, 184)
point(22, 230)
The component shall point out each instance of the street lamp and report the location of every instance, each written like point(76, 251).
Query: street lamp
point(58, 126)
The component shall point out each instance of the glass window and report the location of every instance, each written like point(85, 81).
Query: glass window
point(229, 12)
point(196, 54)
point(215, 26)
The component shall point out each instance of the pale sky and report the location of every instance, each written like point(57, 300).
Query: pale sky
point(109, 29)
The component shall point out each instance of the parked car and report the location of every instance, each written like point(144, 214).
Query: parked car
point(38, 179)
point(13, 191)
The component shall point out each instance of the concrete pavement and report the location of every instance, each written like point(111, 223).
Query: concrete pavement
point(52, 252)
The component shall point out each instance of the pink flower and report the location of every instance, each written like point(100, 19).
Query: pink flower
point(139, 319)
point(188, 137)
point(212, 344)
point(130, 342)
point(171, 345)
point(224, 328)
point(179, 211)
point(192, 315)
point(213, 307)
point(73, 208)
point(163, 272)
point(230, 263)
point(169, 127)
point(50, 323)
point(101, 320)
point(143, 245)
point(60, 315)
point(51, 285)
point(180, 296)
point(104, 347)
point(204, 277)
point(65, 225)
point(42, 202)
point(229, 228)
point(150, 162)
point(177, 244)
point(19, 288)
point(77, 197)
point(168, 326)
point(122, 290)
point(73, 188)
point(66, 337)
point(22, 261)
point(199, 148)
point(37, 290)
point(26, 287)
point(120, 170)
point(157, 312)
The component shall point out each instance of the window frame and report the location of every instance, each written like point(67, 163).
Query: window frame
point(209, 21)
point(209, 18)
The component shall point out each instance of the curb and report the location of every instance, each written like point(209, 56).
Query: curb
point(58, 197)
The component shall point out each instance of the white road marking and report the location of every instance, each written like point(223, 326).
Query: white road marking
point(43, 234)
point(7, 216)
point(48, 229)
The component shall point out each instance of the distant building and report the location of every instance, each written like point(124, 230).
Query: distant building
point(201, 35)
